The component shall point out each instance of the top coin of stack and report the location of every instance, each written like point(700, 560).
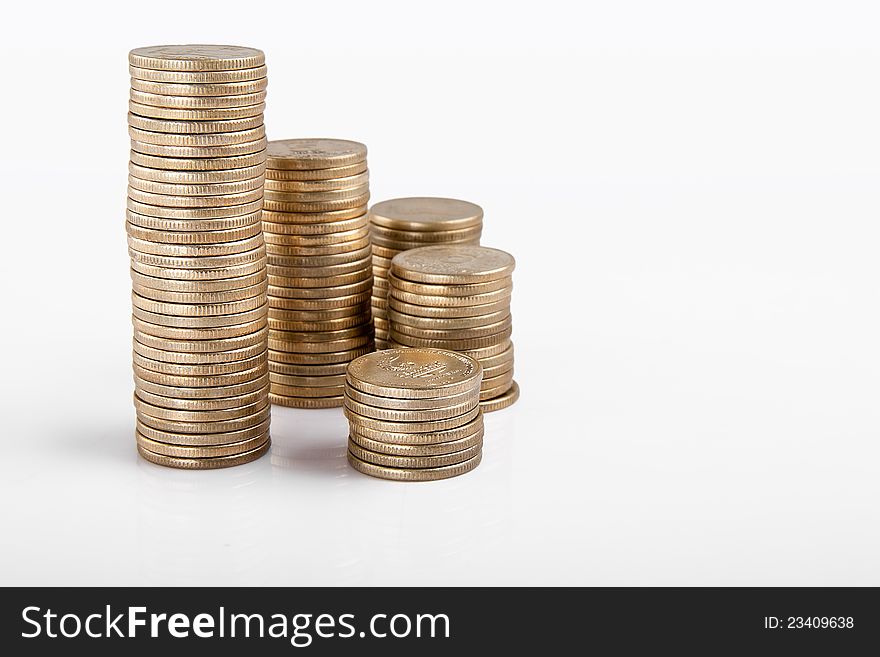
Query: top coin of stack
point(317, 236)
point(458, 297)
point(414, 414)
point(198, 260)
point(408, 223)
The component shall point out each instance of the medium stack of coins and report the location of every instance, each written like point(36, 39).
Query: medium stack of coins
point(408, 223)
point(458, 298)
point(414, 414)
point(198, 261)
point(317, 236)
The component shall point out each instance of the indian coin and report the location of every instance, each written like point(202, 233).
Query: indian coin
point(201, 322)
point(315, 153)
point(199, 163)
point(193, 237)
point(189, 214)
point(433, 449)
point(198, 334)
point(452, 345)
point(203, 350)
point(165, 449)
point(359, 309)
point(222, 404)
point(173, 177)
point(376, 401)
point(447, 324)
point(332, 227)
point(428, 289)
point(414, 373)
point(198, 77)
point(310, 186)
point(196, 114)
point(196, 57)
point(312, 217)
point(302, 402)
point(452, 264)
point(197, 262)
point(406, 437)
point(314, 197)
point(196, 102)
point(309, 371)
point(199, 310)
point(214, 201)
point(419, 474)
point(426, 214)
point(215, 392)
point(198, 369)
point(331, 281)
point(220, 438)
point(438, 301)
point(455, 333)
point(294, 358)
point(147, 247)
point(310, 392)
point(215, 381)
point(299, 381)
point(329, 346)
point(230, 150)
point(333, 173)
point(317, 206)
point(187, 415)
point(321, 292)
point(412, 462)
point(358, 235)
point(218, 426)
point(364, 328)
point(207, 463)
point(201, 90)
point(197, 140)
point(217, 273)
point(328, 271)
point(190, 357)
point(417, 310)
point(407, 415)
point(164, 126)
point(319, 255)
point(328, 303)
point(209, 189)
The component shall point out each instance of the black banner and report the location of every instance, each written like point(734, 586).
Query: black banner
point(437, 621)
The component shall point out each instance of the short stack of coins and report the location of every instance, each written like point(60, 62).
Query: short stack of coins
point(198, 260)
point(320, 279)
point(458, 298)
point(414, 414)
point(408, 223)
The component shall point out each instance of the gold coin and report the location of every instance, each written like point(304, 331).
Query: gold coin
point(327, 282)
point(196, 140)
point(440, 301)
point(198, 369)
point(332, 227)
point(193, 237)
point(329, 346)
point(208, 463)
point(257, 159)
point(199, 357)
point(215, 392)
point(310, 371)
point(385, 253)
point(311, 186)
point(406, 437)
point(195, 114)
point(327, 303)
point(196, 102)
point(217, 426)
point(317, 206)
point(216, 381)
point(439, 323)
point(196, 177)
point(210, 189)
point(359, 309)
point(344, 257)
point(332, 173)
point(231, 273)
point(203, 349)
point(315, 153)
point(317, 197)
point(328, 325)
point(359, 235)
point(452, 345)
point(198, 57)
point(503, 401)
point(381, 344)
point(199, 297)
point(294, 358)
point(190, 214)
point(403, 245)
point(196, 262)
point(301, 402)
point(505, 356)
point(455, 333)
point(310, 392)
point(299, 381)
point(434, 449)
point(413, 462)
point(381, 323)
point(417, 310)
point(217, 200)
point(418, 474)
point(428, 289)
point(496, 386)
point(159, 126)
point(361, 329)
point(198, 77)
point(379, 304)
point(222, 404)
point(147, 247)
point(230, 150)
point(198, 334)
point(404, 416)
point(327, 271)
point(321, 292)
point(419, 236)
point(200, 90)
point(279, 254)
point(426, 214)
point(453, 264)
point(414, 373)
point(498, 370)
point(461, 398)
point(219, 438)
point(206, 416)
point(201, 322)
point(165, 449)
point(247, 221)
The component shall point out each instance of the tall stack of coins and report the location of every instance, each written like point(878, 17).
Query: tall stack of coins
point(414, 414)
point(408, 223)
point(458, 298)
point(198, 261)
point(317, 237)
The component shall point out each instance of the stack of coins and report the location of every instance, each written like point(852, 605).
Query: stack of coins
point(458, 298)
point(317, 236)
point(408, 223)
point(198, 261)
point(414, 414)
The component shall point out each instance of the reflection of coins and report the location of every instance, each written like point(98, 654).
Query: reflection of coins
point(420, 474)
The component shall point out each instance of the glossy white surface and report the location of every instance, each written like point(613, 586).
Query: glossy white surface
point(691, 196)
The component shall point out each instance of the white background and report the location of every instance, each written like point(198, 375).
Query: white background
point(691, 192)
